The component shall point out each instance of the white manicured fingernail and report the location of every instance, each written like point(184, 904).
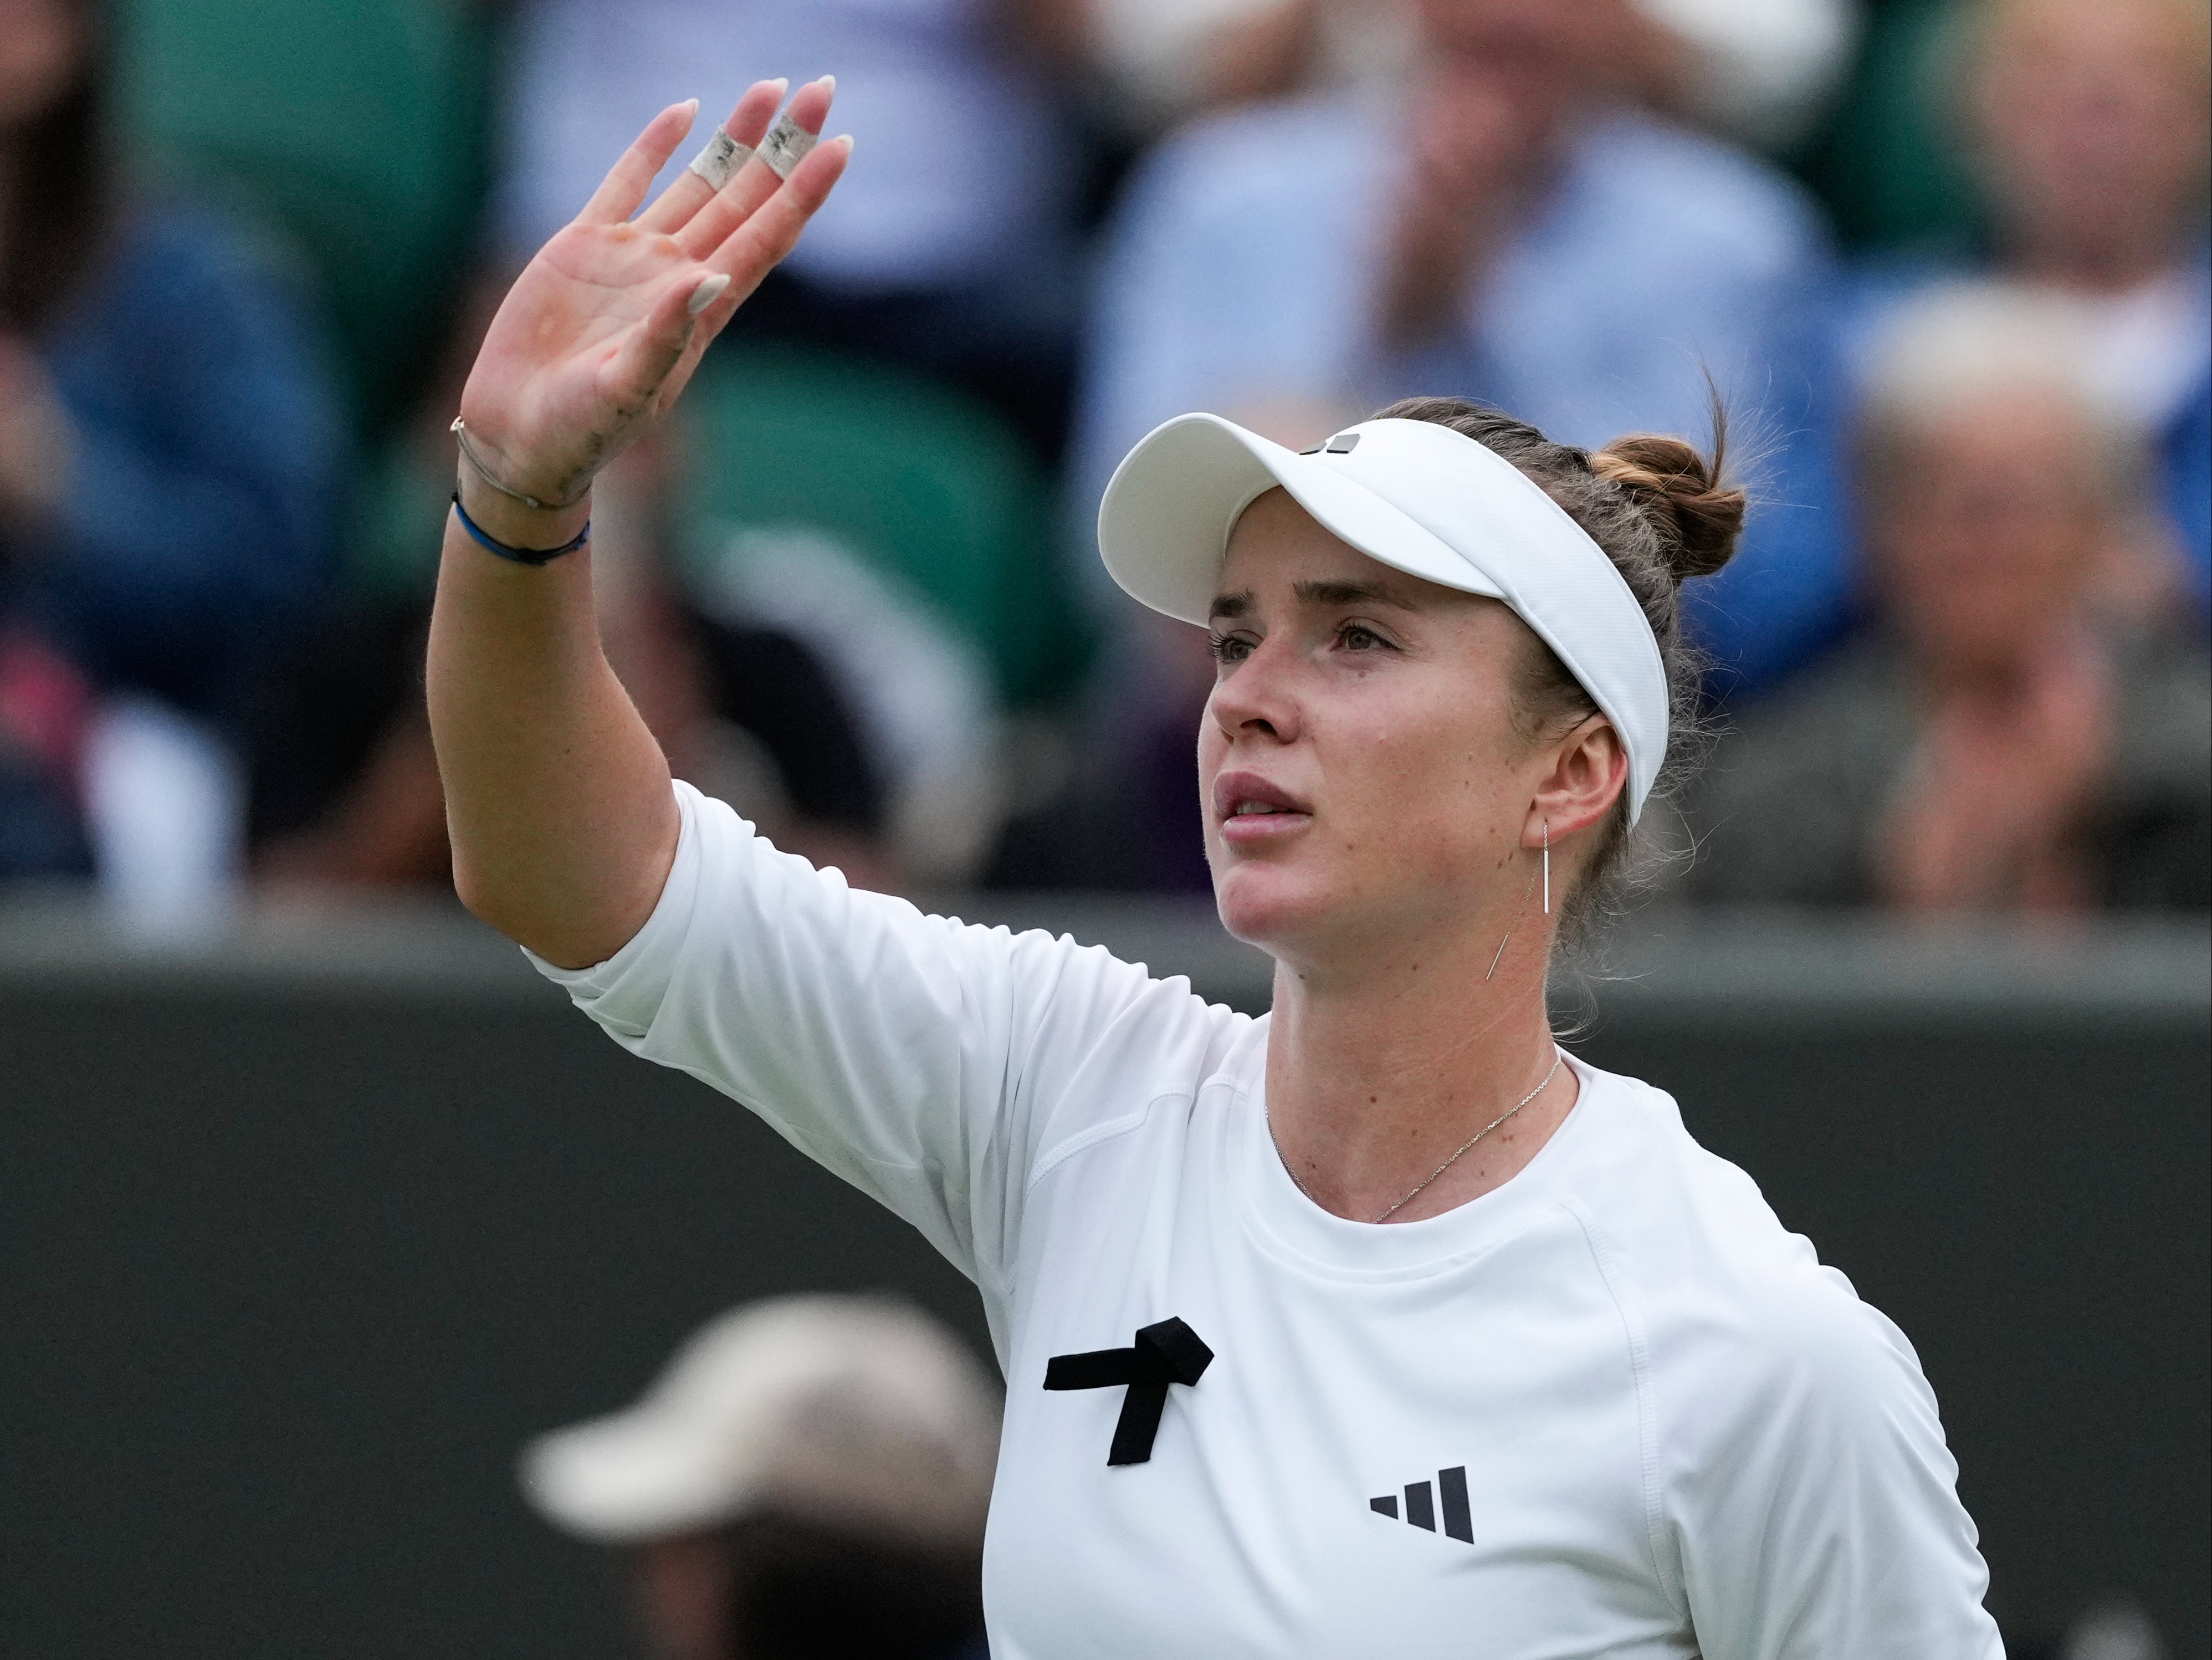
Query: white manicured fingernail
point(707, 293)
point(828, 82)
point(782, 85)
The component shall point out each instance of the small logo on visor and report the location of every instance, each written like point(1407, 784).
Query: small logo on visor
point(1343, 444)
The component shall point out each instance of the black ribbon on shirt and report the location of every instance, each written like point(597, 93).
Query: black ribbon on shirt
point(1167, 1353)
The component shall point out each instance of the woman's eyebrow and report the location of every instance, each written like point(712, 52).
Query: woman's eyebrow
point(1353, 593)
point(1227, 607)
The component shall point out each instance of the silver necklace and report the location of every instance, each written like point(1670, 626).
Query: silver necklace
point(1558, 1055)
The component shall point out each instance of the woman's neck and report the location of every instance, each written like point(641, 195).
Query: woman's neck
point(1377, 1073)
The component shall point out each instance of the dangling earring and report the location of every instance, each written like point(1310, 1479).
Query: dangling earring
point(1525, 892)
point(1500, 955)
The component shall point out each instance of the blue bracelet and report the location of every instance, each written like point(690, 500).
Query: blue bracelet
point(519, 555)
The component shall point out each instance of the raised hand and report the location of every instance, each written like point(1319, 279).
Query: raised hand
point(602, 331)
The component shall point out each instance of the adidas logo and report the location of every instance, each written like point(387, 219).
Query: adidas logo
point(1422, 1501)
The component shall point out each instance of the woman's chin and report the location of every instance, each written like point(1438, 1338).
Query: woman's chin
point(1262, 903)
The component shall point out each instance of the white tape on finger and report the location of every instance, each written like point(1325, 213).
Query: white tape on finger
point(786, 145)
point(719, 162)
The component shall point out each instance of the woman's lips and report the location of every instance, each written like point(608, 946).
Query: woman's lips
point(1247, 830)
point(1252, 811)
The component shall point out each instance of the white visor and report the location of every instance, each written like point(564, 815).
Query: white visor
point(1420, 498)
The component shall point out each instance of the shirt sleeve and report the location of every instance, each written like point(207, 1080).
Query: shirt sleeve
point(1823, 1521)
point(929, 1062)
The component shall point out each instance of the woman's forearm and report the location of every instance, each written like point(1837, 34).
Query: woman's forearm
point(556, 796)
point(563, 825)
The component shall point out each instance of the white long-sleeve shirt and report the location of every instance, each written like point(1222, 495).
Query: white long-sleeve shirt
point(1611, 1409)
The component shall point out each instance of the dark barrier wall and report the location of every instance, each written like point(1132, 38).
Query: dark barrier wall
point(307, 1235)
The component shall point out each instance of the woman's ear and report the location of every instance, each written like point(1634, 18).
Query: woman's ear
point(1589, 769)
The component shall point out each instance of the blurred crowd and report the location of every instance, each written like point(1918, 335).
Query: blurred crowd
point(1946, 261)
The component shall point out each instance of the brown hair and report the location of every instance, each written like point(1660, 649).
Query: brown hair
point(1658, 510)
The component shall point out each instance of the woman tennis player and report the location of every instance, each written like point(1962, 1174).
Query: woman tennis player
point(1375, 1327)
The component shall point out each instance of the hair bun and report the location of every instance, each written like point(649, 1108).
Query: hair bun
point(1677, 489)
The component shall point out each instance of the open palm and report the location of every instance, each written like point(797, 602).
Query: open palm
point(601, 331)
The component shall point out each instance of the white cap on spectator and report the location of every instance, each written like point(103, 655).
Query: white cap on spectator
point(1954, 350)
point(1761, 70)
point(1419, 497)
point(1961, 342)
point(857, 1411)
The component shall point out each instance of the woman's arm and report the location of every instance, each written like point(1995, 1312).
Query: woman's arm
point(556, 797)
point(1815, 1503)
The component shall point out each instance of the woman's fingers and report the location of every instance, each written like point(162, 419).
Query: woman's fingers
point(737, 201)
point(753, 249)
point(809, 105)
point(742, 230)
point(655, 347)
point(627, 182)
point(748, 124)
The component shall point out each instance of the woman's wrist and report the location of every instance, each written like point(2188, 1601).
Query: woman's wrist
point(506, 519)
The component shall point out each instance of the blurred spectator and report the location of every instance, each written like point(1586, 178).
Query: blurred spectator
point(748, 713)
point(1759, 71)
point(2017, 735)
point(345, 785)
point(1145, 66)
point(2089, 129)
point(168, 446)
point(1155, 63)
point(1503, 220)
point(808, 1477)
point(1118, 811)
point(1508, 226)
point(949, 247)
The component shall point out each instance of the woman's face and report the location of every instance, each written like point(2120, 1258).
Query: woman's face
point(1363, 779)
point(41, 43)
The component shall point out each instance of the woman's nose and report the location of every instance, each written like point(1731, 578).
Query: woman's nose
point(1257, 697)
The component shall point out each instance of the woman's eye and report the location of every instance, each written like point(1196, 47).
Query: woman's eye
point(1230, 648)
point(1356, 638)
